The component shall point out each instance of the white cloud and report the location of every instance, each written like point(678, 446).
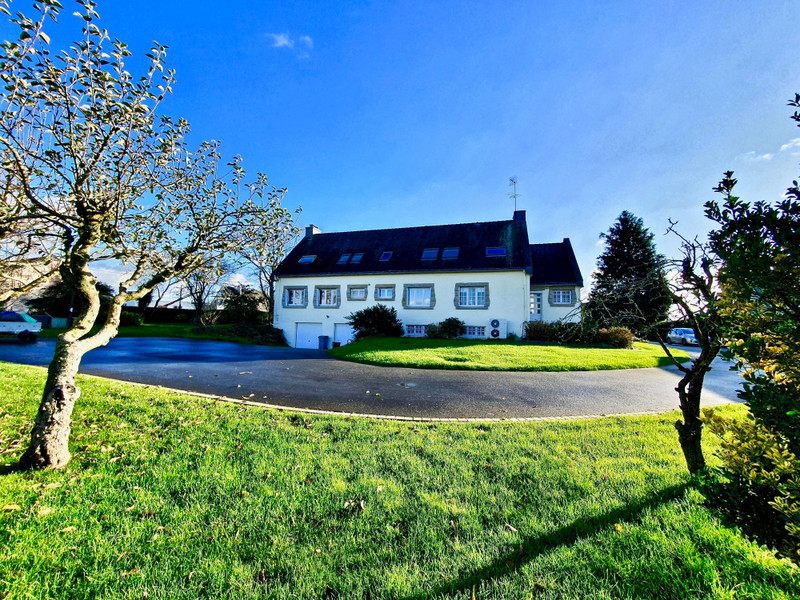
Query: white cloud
point(281, 40)
point(795, 143)
point(284, 40)
point(753, 157)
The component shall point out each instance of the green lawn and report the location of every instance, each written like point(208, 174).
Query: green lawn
point(171, 496)
point(500, 356)
point(223, 333)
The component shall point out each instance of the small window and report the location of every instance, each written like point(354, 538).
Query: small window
point(307, 259)
point(450, 253)
point(472, 296)
point(415, 330)
point(475, 331)
point(357, 292)
point(385, 292)
point(326, 297)
point(295, 297)
point(495, 251)
point(343, 259)
point(418, 296)
point(562, 296)
point(430, 253)
point(386, 256)
point(356, 258)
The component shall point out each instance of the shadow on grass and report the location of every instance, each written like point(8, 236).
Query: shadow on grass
point(532, 547)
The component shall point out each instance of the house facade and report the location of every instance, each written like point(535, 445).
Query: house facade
point(486, 274)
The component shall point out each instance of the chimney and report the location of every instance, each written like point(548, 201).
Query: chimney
point(519, 216)
point(312, 230)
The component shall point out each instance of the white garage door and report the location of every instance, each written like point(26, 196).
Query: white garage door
point(308, 335)
point(342, 333)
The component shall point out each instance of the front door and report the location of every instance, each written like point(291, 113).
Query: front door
point(536, 306)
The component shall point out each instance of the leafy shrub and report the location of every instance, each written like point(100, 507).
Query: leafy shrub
point(758, 486)
point(129, 318)
point(577, 333)
point(539, 331)
point(376, 321)
point(448, 329)
point(616, 337)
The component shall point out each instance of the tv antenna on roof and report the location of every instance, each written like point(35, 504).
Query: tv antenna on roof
point(513, 181)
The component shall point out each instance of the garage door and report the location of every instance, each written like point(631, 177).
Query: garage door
point(308, 335)
point(342, 333)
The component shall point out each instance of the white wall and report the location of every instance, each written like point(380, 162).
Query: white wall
point(508, 299)
point(558, 312)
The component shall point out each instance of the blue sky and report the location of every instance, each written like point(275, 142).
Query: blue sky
point(388, 114)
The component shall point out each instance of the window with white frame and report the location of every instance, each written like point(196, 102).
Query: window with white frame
point(418, 296)
point(475, 331)
point(562, 296)
point(384, 292)
point(326, 297)
point(294, 297)
point(356, 292)
point(472, 295)
point(415, 330)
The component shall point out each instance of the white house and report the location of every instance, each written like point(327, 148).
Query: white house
point(486, 274)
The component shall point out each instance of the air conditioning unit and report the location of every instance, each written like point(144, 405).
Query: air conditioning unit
point(498, 329)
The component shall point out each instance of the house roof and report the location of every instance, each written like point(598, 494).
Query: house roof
point(555, 264)
point(334, 253)
point(407, 245)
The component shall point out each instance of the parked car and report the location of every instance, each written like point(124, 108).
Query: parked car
point(682, 336)
point(25, 327)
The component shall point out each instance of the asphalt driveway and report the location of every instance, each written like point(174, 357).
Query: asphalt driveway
point(309, 379)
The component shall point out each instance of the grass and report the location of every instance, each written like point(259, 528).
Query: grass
point(221, 333)
point(172, 496)
point(500, 356)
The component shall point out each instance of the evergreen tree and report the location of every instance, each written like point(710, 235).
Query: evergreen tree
point(630, 287)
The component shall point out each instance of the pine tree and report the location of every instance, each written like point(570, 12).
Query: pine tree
point(630, 287)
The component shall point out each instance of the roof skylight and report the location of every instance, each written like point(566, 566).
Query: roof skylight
point(450, 253)
point(495, 251)
point(386, 255)
point(307, 259)
point(430, 253)
point(343, 259)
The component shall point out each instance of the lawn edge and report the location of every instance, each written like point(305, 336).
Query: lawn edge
point(333, 413)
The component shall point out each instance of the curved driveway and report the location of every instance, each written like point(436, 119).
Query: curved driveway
point(309, 379)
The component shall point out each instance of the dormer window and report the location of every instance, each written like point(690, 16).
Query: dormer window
point(450, 253)
point(356, 258)
point(386, 256)
point(307, 259)
point(430, 253)
point(495, 251)
point(343, 259)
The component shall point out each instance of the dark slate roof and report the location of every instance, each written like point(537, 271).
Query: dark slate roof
point(555, 264)
point(406, 245)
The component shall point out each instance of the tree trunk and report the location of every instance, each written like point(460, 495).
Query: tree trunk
point(690, 430)
point(49, 446)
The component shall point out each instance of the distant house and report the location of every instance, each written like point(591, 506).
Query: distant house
point(486, 274)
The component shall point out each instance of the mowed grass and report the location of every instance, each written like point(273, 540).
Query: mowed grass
point(171, 496)
point(222, 333)
point(500, 356)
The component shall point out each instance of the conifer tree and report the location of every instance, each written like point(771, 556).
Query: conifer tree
point(630, 287)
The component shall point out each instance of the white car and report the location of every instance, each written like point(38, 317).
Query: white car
point(682, 336)
point(25, 327)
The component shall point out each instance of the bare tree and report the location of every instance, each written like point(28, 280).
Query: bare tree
point(29, 243)
point(202, 285)
point(95, 166)
point(695, 292)
point(266, 248)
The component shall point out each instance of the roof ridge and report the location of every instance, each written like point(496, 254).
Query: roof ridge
point(413, 227)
